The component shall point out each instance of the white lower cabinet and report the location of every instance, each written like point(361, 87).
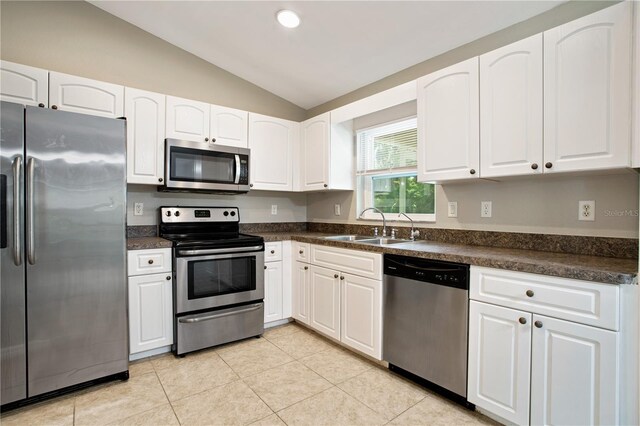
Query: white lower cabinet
point(150, 301)
point(277, 283)
point(324, 293)
point(361, 314)
point(529, 368)
point(272, 291)
point(300, 292)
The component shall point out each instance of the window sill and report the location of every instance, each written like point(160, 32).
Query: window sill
point(393, 217)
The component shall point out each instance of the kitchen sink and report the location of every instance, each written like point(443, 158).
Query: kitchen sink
point(347, 238)
point(384, 241)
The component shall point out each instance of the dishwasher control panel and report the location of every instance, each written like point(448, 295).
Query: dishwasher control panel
point(431, 271)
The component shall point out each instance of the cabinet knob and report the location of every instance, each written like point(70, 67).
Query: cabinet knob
point(168, 278)
point(206, 139)
point(341, 278)
point(41, 105)
point(301, 252)
point(534, 166)
point(538, 324)
point(213, 139)
point(472, 171)
point(336, 276)
point(306, 268)
point(265, 266)
point(250, 185)
point(273, 252)
point(54, 106)
point(150, 262)
point(522, 320)
point(160, 180)
point(530, 293)
point(326, 186)
point(549, 165)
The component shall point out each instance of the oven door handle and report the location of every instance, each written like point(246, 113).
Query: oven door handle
point(215, 316)
point(237, 180)
point(219, 251)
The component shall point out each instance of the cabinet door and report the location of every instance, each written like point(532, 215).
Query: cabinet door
point(301, 292)
point(499, 361)
point(78, 94)
point(315, 152)
point(229, 126)
point(448, 123)
point(187, 120)
point(271, 142)
point(511, 109)
point(24, 85)
point(145, 112)
point(361, 314)
point(574, 374)
point(635, 161)
point(272, 291)
point(586, 92)
point(324, 285)
point(150, 312)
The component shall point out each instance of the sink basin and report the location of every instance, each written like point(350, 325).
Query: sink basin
point(382, 241)
point(347, 238)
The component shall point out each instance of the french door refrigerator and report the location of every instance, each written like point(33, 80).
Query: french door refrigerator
point(63, 287)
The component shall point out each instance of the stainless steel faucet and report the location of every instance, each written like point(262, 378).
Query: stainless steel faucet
point(384, 219)
point(413, 234)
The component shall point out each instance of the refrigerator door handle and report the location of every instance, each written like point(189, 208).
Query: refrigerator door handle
point(31, 252)
point(17, 226)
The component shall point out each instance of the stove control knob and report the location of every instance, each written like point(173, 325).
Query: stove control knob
point(233, 213)
point(226, 213)
point(176, 214)
point(168, 213)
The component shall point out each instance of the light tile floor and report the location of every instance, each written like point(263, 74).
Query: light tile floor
point(290, 376)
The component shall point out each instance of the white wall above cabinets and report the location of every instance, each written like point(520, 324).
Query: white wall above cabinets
point(327, 154)
point(25, 85)
point(272, 141)
point(79, 94)
point(448, 123)
point(187, 119)
point(145, 112)
point(587, 64)
point(511, 109)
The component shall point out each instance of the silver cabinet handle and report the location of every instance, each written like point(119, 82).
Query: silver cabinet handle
point(17, 244)
point(211, 317)
point(31, 241)
point(237, 180)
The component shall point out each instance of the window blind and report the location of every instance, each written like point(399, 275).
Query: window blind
point(388, 148)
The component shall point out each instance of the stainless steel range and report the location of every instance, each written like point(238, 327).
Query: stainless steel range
point(218, 277)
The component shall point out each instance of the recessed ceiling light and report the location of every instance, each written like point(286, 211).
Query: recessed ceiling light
point(288, 18)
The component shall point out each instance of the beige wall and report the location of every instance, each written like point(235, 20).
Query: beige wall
point(552, 18)
point(78, 38)
point(536, 204)
point(255, 207)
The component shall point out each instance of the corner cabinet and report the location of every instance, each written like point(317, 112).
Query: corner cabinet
point(24, 85)
point(145, 112)
point(150, 301)
point(448, 123)
point(587, 97)
point(272, 141)
point(85, 96)
point(546, 350)
point(327, 155)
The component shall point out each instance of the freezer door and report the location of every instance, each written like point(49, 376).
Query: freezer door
point(13, 363)
point(75, 248)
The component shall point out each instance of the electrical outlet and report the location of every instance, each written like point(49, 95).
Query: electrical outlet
point(453, 209)
point(274, 209)
point(336, 209)
point(138, 209)
point(485, 209)
point(587, 210)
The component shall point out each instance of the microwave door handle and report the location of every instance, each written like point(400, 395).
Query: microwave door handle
point(237, 180)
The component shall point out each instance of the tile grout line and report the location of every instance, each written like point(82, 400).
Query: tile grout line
point(165, 395)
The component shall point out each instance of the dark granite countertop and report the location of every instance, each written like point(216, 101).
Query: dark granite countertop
point(583, 267)
point(145, 243)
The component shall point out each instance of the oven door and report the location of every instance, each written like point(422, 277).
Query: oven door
point(215, 280)
point(196, 166)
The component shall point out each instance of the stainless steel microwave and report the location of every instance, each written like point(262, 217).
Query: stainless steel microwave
point(200, 167)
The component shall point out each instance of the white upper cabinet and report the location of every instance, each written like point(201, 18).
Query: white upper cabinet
point(187, 120)
point(448, 123)
point(635, 161)
point(587, 64)
point(511, 109)
point(271, 141)
point(145, 112)
point(22, 84)
point(229, 126)
point(85, 96)
point(327, 154)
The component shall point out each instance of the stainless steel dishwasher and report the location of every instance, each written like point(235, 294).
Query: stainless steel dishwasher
point(425, 321)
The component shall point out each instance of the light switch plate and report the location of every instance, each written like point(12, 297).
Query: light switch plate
point(274, 209)
point(453, 209)
point(138, 209)
point(336, 209)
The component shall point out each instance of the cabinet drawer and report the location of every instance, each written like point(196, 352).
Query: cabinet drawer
point(574, 300)
point(273, 251)
point(301, 251)
point(362, 263)
point(152, 261)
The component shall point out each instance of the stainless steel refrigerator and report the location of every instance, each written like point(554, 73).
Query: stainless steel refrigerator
point(63, 252)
